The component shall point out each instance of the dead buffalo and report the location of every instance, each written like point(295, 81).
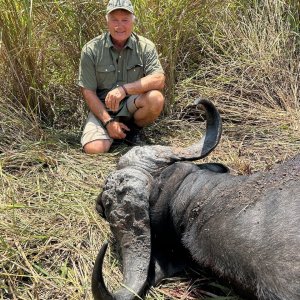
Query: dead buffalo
point(167, 213)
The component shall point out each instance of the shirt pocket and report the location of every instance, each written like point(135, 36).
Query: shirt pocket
point(106, 76)
point(134, 72)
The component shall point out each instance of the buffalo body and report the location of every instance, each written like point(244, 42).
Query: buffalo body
point(244, 228)
point(167, 214)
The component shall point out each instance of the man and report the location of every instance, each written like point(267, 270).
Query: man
point(121, 80)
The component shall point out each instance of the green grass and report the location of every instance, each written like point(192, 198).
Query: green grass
point(221, 49)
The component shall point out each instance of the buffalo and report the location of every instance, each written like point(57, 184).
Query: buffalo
point(168, 213)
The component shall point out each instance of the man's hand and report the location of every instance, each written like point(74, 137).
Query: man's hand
point(114, 97)
point(117, 130)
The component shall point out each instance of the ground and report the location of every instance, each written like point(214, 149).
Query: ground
point(50, 231)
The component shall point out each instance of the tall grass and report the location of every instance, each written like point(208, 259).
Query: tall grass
point(235, 46)
point(41, 44)
point(171, 25)
point(22, 54)
point(250, 56)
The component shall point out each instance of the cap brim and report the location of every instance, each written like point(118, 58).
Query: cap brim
point(122, 8)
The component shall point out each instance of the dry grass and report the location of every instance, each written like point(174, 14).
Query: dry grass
point(50, 232)
point(48, 223)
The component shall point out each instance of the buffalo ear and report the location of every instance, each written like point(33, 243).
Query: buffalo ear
point(214, 167)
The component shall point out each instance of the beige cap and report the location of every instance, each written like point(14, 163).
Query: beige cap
point(119, 4)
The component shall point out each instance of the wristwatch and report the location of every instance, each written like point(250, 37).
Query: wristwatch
point(107, 122)
point(125, 90)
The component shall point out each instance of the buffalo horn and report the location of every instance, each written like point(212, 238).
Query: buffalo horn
point(99, 290)
point(211, 138)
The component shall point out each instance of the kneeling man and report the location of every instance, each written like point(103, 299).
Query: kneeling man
point(121, 79)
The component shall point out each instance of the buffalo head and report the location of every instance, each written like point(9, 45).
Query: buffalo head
point(124, 202)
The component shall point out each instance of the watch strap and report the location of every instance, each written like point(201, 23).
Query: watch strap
point(107, 122)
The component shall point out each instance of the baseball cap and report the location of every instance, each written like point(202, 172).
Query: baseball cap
point(119, 4)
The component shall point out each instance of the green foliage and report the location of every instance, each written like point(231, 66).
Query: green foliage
point(170, 25)
point(40, 50)
point(21, 52)
point(213, 48)
point(251, 55)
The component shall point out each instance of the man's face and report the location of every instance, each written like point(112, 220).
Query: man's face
point(120, 25)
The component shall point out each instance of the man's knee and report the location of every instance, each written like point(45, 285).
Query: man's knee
point(158, 101)
point(153, 101)
point(97, 146)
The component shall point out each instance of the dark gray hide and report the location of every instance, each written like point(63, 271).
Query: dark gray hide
point(245, 228)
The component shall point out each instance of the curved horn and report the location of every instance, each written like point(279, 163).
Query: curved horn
point(154, 158)
point(99, 290)
point(211, 138)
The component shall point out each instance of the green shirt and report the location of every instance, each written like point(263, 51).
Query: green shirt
point(102, 67)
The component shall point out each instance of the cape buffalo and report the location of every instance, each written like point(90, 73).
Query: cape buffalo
point(167, 213)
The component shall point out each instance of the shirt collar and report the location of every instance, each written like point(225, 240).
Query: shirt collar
point(109, 43)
